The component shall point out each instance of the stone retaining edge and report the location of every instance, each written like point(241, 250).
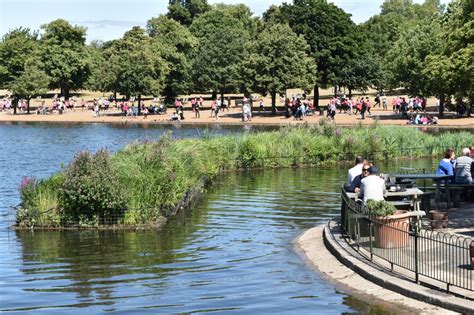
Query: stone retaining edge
point(390, 282)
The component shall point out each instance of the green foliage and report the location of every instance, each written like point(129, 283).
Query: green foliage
point(176, 44)
point(91, 191)
point(31, 82)
point(408, 54)
point(16, 47)
point(64, 55)
point(39, 202)
point(328, 30)
point(146, 181)
point(223, 34)
point(185, 11)
point(450, 68)
point(380, 208)
point(135, 66)
point(278, 61)
point(251, 153)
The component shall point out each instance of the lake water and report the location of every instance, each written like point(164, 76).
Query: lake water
point(231, 253)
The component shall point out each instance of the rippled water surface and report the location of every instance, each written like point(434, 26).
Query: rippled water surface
point(232, 252)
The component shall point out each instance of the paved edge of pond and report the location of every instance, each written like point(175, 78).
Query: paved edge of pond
point(320, 249)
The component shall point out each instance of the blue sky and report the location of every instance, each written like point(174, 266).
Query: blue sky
point(110, 19)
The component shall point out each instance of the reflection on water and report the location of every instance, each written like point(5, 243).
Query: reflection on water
point(232, 252)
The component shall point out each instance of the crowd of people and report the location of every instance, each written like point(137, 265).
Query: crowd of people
point(299, 106)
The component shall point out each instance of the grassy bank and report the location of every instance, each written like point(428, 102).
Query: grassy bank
point(145, 182)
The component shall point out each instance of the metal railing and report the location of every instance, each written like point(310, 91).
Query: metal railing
point(433, 254)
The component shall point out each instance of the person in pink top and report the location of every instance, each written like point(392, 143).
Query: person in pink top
point(213, 107)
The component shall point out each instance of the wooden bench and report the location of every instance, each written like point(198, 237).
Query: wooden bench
point(456, 190)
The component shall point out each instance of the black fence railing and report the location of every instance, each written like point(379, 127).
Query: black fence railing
point(400, 241)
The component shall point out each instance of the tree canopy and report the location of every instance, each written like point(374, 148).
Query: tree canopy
point(278, 61)
point(64, 55)
point(424, 48)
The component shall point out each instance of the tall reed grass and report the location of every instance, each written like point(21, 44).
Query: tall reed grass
point(154, 177)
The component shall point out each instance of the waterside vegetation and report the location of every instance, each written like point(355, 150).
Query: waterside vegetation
point(144, 183)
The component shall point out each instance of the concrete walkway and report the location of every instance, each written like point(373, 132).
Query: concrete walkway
point(461, 220)
point(312, 246)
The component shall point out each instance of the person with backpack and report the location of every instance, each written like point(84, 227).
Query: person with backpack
point(377, 100)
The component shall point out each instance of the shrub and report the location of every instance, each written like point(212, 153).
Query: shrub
point(250, 153)
point(380, 208)
point(90, 191)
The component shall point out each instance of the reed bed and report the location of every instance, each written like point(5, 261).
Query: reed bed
point(144, 182)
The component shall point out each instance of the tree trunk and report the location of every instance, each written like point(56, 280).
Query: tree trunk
point(28, 105)
point(350, 93)
point(214, 95)
point(335, 91)
point(115, 95)
point(470, 108)
point(14, 104)
point(139, 104)
point(273, 93)
point(65, 91)
point(441, 106)
point(316, 96)
point(222, 97)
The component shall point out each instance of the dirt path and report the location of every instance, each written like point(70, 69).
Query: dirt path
point(231, 117)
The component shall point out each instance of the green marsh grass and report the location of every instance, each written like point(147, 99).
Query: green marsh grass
point(155, 177)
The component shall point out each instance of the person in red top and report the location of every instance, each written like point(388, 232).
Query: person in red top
point(367, 101)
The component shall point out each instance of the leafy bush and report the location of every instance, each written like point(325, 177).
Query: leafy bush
point(380, 208)
point(250, 153)
point(90, 191)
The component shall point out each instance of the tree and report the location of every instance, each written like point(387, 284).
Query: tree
point(278, 61)
point(408, 54)
point(385, 29)
point(32, 82)
point(136, 66)
point(177, 45)
point(451, 68)
point(326, 29)
point(222, 35)
point(100, 78)
point(64, 55)
point(16, 48)
point(185, 11)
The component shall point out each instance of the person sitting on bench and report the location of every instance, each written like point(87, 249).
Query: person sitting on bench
point(462, 171)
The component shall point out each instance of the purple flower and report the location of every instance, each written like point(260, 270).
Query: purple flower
point(338, 132)
point(27, 182)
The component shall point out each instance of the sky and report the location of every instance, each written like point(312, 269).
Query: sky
point(110, 19)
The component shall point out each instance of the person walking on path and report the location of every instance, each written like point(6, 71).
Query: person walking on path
point(367, 101)
point(384, 102)
point(197, 107)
